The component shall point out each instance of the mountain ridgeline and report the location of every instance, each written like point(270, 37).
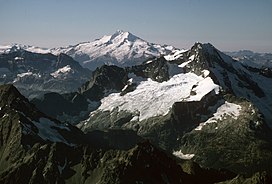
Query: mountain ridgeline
point(42, 73)
point(121, 49)
point(172, 116)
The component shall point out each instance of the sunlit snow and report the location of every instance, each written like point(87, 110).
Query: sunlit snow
point(183, 156)
point(227, 109)
point(203, 88)
point(152, 98)
point(24, 74)
point(175, 55)
point(120, 48)
point(61, 71)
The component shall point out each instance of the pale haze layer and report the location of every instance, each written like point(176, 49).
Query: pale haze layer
point(229, 25)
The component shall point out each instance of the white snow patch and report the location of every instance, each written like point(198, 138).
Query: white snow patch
point(5, 115)
point(182, 65)
point(4, 48)
point(205, 73)
point(192, 57)
point(151, 98)
point(175, 55)
point(20, 75)
point(60, 71)
point(183, 156)
point(135, 118)
point(18, 58)
point(227, 109)
point(124, 88)
point(203, 87)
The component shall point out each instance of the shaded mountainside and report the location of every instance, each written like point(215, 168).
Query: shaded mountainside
point(41, 73)
point(53, 152)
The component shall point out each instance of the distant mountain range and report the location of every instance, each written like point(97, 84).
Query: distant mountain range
point(155, 114)
point(35, 74)
point(121, 49)
point(125, 49)
point(253, 59)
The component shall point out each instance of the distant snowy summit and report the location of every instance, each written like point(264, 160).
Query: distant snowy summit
point(121, 48)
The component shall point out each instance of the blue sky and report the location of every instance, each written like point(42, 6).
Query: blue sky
point(228, 25)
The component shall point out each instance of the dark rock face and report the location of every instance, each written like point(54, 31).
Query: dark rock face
point(104, 80)
point(63, 104)
point(157, 70)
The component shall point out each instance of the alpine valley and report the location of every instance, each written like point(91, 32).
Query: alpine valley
point(123, 110)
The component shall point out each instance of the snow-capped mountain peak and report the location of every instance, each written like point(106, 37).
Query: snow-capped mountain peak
point(122, 48)
point(121, 35)
point(118, 38)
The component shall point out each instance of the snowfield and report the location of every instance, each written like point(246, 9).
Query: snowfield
point(227, 109)
point(152, 98)
point(61, 71)
point(183, 156)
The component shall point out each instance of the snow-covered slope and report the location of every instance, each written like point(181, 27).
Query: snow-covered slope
point(121, 49)
point(151, 98)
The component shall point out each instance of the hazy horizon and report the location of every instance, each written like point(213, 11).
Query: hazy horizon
point(228, 25)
